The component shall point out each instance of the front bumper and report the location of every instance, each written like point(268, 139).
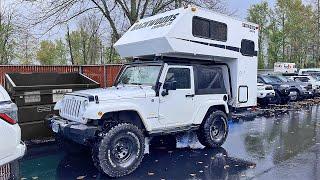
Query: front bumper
point(77, 132)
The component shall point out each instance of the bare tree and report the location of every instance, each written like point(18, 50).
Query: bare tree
point(119, 14)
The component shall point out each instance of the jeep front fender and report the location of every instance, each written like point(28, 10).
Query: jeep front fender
point(97, 111)
point(203, 109)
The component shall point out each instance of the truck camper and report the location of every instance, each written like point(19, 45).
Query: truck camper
point(190, 65)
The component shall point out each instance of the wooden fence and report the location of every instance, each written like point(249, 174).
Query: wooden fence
point(103, 74)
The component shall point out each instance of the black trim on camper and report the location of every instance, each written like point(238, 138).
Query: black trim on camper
point(245, 50)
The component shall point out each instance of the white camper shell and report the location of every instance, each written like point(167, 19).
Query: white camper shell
point(193, 33)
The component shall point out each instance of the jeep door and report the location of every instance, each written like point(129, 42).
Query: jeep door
point(177, 106)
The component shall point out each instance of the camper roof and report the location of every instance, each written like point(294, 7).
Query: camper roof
point(189, 32)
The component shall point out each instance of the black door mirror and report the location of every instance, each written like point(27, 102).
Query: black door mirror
point(168, 85)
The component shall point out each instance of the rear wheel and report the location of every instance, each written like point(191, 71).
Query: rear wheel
point(120, 151)
point(214, 130)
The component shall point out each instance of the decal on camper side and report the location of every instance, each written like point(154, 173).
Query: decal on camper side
point(156, 23)
point(251, 27)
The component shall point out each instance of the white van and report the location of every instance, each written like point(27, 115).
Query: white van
point(11, 146)
point(283, 67)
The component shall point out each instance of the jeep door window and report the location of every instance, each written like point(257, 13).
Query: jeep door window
point(181, 76)
point(140, 75)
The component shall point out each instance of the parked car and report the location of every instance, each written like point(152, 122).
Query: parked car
point(11, 147)
point(309, 79)
point(298, 90)
point(282, 91)
point(264, 94)
point(308, 71)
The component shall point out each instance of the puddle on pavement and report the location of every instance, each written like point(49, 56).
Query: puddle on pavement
point(253, 146)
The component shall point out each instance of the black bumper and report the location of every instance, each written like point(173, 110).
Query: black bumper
point(77, 132)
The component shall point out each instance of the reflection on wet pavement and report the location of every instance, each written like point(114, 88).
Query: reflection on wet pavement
point(254, 149)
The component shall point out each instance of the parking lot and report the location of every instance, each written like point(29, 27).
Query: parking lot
point(283, 144)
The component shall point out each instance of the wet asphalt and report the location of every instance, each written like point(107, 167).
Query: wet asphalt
point(286, 146)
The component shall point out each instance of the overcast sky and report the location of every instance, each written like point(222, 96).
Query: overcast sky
point(242, 6)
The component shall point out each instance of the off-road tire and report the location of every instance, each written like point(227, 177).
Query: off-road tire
point(121, 140)
point(70, 147)
point(207, 129)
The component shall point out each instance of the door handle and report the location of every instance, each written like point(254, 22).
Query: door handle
point(190, 95)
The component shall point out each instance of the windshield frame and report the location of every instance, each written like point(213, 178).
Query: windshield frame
point(126, 66)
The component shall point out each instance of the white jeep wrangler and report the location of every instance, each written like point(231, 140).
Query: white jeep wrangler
point(148, 99)
point(194, 65)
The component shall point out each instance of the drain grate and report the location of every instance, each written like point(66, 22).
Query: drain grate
point(5, 172)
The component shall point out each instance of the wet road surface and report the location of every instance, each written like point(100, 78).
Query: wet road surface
point(282, 147)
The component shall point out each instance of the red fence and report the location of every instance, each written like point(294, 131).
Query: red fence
point(103, 74)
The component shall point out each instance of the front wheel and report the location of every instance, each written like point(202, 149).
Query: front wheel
point(120, 151)
point(214, 130)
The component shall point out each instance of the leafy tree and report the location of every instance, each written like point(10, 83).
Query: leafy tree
point(52, 53)
point(283, 35)
point(7, 42)
point(47, 53)
point(260, 14)
point(61, 52)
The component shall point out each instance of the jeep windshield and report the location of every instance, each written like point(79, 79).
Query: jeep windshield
point(140, 75)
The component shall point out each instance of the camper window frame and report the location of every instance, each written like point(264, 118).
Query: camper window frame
point(210, 26)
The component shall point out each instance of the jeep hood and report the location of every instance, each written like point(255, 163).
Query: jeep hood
point(115, 93)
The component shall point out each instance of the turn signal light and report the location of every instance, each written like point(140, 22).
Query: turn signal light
point(7, 118)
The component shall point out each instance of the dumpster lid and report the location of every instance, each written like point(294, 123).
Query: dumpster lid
point(49, 80)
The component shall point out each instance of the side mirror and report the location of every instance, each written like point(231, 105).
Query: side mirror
point(168, 85)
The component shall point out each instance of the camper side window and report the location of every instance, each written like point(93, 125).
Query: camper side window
point(247, 48)
point(218, 31)
point(209, 29)
point(201, 27)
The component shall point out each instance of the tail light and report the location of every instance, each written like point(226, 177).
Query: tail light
point(7, 118)
point(9, 113)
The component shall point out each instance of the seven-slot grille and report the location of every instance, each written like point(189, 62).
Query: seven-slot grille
point(5, 172)
point(72, 108)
